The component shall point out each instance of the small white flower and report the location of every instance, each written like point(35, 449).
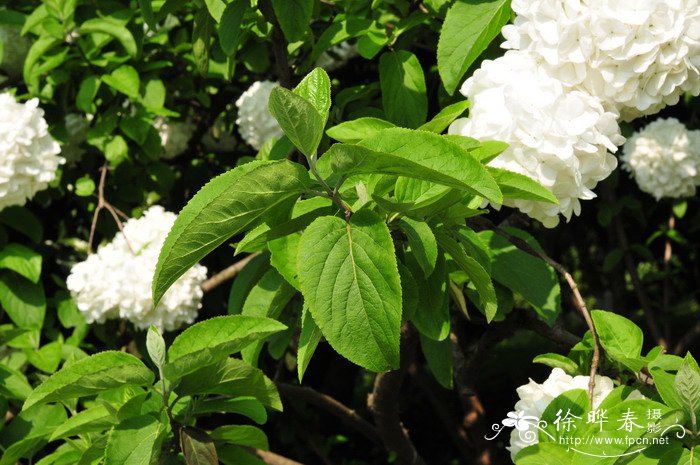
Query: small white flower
point(255, 122)
point(15, 48)
point(664, 159)
point(174, 136)
point(115, 282)
point(337, 56)
point(638, 56)
point(534, 399)
point(28, 154)
point(557, 137)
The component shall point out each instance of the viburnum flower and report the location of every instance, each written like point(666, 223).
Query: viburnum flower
point(557, 137)
point(174, 136)
point(638, 56)
point(664, 159)
point(534, 399)
point(28, 154)
point(337, 56)
point(15, 48)
point(115, 282)
point(255, 122)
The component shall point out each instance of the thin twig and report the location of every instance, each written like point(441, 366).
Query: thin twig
point(323, 401)
point(279, 44)
point(668, 255)
point(102, 203)
point(271, 458)
point(687, 339)
point(383, 402)
point(578, 301)
point(227, 273)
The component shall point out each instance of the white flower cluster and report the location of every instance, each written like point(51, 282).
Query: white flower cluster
point(557, 137)
point(255, 122)
point(534, 399)
point(337, 56)
point(664, 159)
point(28, 154)
point(174, 136)
point(578, 67)
point(15, 48)
point(638, 56)
point(115, 282)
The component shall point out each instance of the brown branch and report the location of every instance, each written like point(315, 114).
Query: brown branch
point(383, 402)
point(556, 334)
point(578, 301)
point(102, 203)
point(271, 458)
point(668, 255)
point(279, 44)
point(639, 291)
point(325, 402)
point(227, 273)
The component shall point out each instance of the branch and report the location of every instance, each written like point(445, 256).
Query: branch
point(687, 339)
point(279, 44)
point(271, 458)
point(642, 296)
point(578, 301)
point(383, 402)
point(102, 203)
point(668, 255)
point(556, 334)
point(227, 273)
point(346, 415)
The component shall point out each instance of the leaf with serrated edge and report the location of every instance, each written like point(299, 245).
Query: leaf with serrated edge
point(350, 280)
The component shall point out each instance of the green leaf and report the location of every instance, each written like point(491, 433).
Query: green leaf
point(156, 347)
point(246, 406)
point(438, 354)
point(134, 441)
point(124, 79)
point(84, 187)
point(230, 30)
point(478, 276)
point(211, 340)
point(445, 117)
point(403, 89)
point(688, 388)
point(38, 50)
point(94, 419)
point(283, 256)
point(266, 299)
point(525, 274)
point(86, 94)
point(202, 31)
point(518, 186)
point(435, 155)
point(294, 17)
point(350, 280)
point(24, 302)
point(197, 447)
point(558, 361)
point(99, 372)
point(315, 88)
point(308, 341)
point(13, 384)
point(621, 339)
point(113, 28)
point(432, 314)
point(27, 432)
point(358, 129)
point(244, 282)
point(298, 118)
point(22, 260)
point(231, 377)
point(147, 12)
point(422, 242)
point(216, 8)
point(242, 435)
point(228, 204)
point(24, 221)
point(47, 358)
point(470, 25)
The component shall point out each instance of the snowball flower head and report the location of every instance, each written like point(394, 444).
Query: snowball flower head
point(28, 154)
point(255, 122)
point(337, 56)
point(534, 399)
point(664, 159)
point(557, 137)
point(115, 282)
point(174, 136)
point(638, 56)
point(15, 48)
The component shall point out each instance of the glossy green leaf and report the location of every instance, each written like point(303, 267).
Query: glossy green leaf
point(445, 117)
point(24, 302)
point(134, 441)
point(22, 260)
point(518, 186)
point(113, 28)
point(355, 130)
point(298, 118)
point(308, 341)
point(422, 242)
point(403, 89)
point(294, 17)
point(350, 280)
